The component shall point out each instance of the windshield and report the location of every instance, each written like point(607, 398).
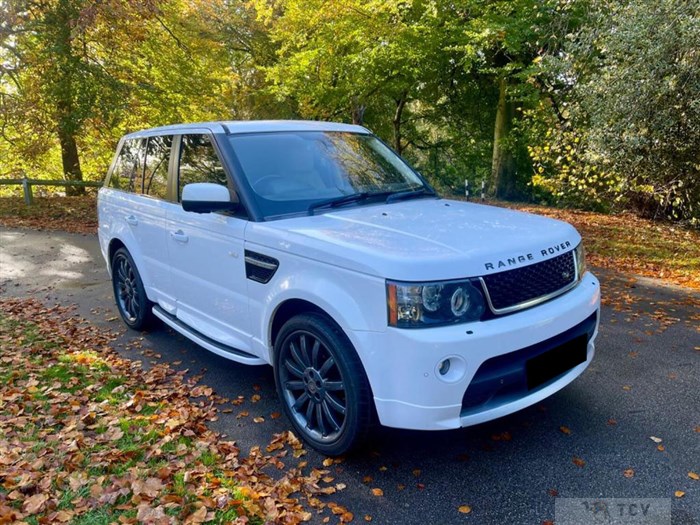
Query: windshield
point(295, 172)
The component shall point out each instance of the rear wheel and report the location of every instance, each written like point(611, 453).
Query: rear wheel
point(322, 384)
point(129, 293)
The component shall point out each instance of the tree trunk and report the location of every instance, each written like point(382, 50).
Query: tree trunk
point(400, 104)
point(64, 95)
point(357, 112)
point(71, 161)
point(503, 163)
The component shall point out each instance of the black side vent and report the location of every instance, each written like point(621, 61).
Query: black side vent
point(260, 268)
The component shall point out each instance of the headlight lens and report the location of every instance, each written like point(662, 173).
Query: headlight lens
point(421, 305)
point(580, 260)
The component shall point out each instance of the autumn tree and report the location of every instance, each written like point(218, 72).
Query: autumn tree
point(82, 73)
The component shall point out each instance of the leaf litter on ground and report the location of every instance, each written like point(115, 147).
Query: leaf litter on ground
point(86, 433)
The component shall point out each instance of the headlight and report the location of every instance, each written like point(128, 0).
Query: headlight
point(421, 305)
point(580, 254)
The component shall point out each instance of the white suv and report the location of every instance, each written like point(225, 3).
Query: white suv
point(313, 247)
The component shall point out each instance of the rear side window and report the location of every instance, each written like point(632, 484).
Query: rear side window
point(199, 162)
point(155, 181)
point(128, 171)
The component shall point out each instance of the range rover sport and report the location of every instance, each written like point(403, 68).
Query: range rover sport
point(314, 248)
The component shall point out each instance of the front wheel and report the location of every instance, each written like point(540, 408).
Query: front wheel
point(129, 293)
point(322, 384)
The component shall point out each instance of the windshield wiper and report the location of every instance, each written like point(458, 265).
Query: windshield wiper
point(410, 194)
point(339, 201)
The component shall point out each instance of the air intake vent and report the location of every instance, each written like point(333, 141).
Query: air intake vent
point(260, 268)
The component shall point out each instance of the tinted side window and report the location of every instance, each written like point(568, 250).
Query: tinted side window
point(128, 171)
point(155, 181)
point(199, 162)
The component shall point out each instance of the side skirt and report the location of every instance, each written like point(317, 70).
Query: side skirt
point(205, 342)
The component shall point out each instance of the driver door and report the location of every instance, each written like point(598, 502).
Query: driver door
point(206, 253)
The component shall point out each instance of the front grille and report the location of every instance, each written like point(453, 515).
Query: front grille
point(521, 285)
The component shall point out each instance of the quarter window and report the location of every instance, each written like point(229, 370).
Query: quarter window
point(128, 171)
point(199, 162)
point(155, 182)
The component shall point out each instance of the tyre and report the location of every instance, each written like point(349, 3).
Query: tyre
point(129, 293)
point(322, 384)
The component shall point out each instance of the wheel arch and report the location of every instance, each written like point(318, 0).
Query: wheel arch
point(114, 245)
point(290, 308)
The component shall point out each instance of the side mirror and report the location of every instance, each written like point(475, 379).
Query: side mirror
point(205, 197)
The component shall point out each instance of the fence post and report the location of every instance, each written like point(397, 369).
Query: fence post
point(27, 187)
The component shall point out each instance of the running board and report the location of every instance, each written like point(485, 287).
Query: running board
point(202, 340)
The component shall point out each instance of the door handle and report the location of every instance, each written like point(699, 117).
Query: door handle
point(179, 236)
point(132, 220)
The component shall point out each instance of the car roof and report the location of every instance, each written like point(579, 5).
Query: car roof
point(249, 126)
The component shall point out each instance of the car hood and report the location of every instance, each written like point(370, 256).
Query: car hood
point(421, 239)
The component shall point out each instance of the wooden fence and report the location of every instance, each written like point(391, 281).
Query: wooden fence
point(28, 183)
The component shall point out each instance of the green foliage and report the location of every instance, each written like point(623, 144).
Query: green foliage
point(600, 98)
point(629, 85)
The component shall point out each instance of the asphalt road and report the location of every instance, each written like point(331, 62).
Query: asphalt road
point(643, 383)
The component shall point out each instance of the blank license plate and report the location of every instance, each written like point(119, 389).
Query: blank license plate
point(556, 361)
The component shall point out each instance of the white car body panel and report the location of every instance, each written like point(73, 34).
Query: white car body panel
point(207, 269)
point(421, 239)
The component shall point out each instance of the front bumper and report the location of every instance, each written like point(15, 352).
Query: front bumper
point(410, 392)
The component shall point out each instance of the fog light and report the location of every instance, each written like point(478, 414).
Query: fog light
point(444, 367)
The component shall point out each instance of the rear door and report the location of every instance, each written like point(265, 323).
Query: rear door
point(206, 254)
point(137, 201)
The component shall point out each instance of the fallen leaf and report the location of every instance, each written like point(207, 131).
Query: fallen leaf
point(258, 419)
point(565, 430)
point(612, 422)
point(367, 479)
point(34, 504)
point(327, 462)
point(275, 415)
point(628, 473)
point(464, 509)
point(553, 492)
point(655, 439)
point(368, 517)
point(627, 388)
point(679, 493)
point(579, 462)
point(693, 475)
point(198, 516)
point(346, 517)
point(416, 472)
point(660, 448)
point(377, 492)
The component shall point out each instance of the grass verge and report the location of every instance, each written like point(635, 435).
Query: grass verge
point(89, 437)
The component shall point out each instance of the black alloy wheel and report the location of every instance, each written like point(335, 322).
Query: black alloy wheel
point(129, 293)
point(322, 384)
